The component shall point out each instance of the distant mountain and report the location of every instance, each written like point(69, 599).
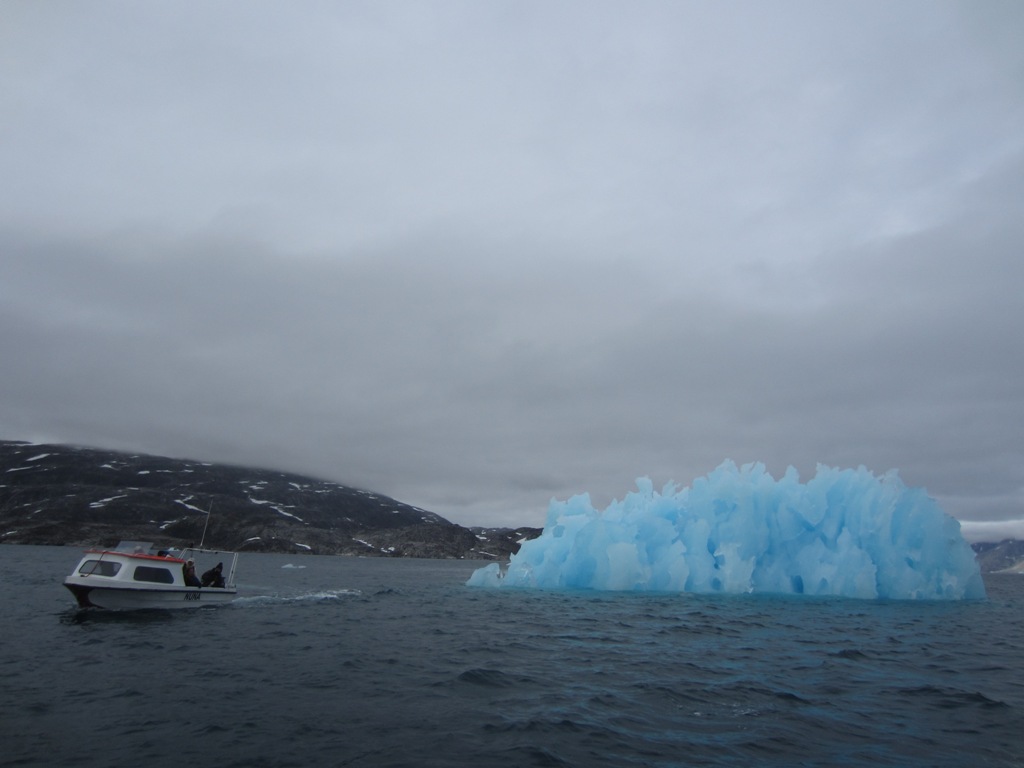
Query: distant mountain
point(64, 495)
point(1006, 555)
point(58, 494)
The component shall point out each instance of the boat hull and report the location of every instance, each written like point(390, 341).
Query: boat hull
point(125, 598)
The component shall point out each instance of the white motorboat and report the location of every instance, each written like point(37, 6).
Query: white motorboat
point(133, 575)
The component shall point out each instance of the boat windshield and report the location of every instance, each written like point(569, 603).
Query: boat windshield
point(134, 547)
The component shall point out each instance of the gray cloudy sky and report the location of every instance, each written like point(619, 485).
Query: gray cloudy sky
point(479, 255)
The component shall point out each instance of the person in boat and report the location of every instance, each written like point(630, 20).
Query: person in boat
point(189, 571)
point(214, 577)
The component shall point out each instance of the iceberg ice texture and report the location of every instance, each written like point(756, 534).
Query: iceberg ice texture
point(845, 532)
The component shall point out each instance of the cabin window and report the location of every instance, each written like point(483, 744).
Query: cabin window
point(157, 575)
point(99, 568)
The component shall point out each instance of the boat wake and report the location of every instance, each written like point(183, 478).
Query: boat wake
point(320, 596)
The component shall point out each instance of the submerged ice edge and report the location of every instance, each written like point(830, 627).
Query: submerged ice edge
point(844, 533)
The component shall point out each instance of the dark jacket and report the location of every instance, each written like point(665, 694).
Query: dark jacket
point(189, 571)
point(214, 577)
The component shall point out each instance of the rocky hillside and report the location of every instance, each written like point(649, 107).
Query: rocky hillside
point(57, 495)
point(1005, 556)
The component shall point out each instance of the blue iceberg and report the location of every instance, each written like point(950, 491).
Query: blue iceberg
point(738, 530)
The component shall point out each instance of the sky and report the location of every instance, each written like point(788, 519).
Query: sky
point(476, 256)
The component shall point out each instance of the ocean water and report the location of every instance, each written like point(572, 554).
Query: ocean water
point(353, 662)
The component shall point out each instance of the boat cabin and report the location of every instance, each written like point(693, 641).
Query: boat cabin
point(135, 574)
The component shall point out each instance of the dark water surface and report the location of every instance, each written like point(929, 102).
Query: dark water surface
point(395, 663)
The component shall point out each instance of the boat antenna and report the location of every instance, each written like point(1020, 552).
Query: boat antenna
point(208, 509)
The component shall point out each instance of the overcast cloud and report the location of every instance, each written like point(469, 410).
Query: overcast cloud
point(479, 255)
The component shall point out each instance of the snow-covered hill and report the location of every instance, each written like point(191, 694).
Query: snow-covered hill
point(57, 494)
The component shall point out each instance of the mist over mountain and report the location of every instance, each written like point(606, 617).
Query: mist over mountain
point(66, 495)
